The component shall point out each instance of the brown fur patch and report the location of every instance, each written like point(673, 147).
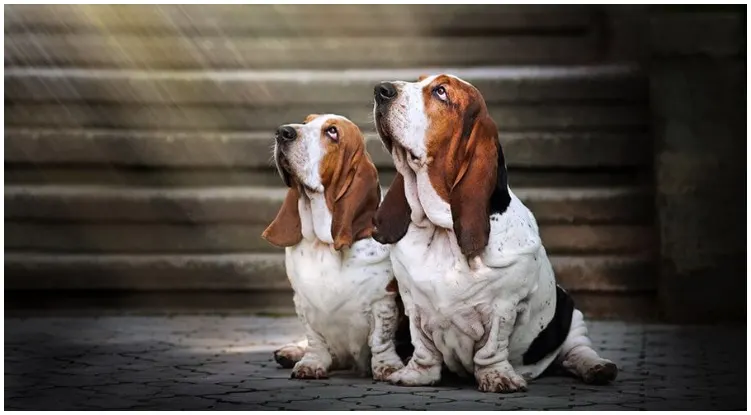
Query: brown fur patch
point(286, 229)
point(462, 152)
point(394, 214)
point(350, 182)
point(310, 118)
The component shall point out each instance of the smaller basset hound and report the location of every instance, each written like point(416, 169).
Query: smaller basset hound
point(344, 288)
point(475, 279)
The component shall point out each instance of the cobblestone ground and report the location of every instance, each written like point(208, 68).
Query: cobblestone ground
point(224, 363)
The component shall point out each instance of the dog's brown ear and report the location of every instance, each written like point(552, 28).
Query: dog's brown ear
point(351, 187)
point(474, 185)
point(422, 77)
point(286, 229)
point(394, 215)
point(310, 118)
point(352, 216)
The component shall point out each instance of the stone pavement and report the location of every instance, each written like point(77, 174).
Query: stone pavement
point(224, 363)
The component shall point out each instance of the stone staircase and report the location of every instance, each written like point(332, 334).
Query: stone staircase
point(138, 138)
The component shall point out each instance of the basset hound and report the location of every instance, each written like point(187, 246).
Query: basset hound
point(344, 288)
point(475, 279)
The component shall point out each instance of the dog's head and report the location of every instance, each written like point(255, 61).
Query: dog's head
point(441, 124)
point(325, 154)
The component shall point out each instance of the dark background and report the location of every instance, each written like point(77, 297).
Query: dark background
point(137, 144)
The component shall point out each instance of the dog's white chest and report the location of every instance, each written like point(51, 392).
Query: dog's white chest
point(329, 280)
point(455, 301)
point(334, 290)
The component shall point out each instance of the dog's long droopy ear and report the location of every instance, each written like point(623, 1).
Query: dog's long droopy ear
point(394, 215)
point(355, 204)
point(286, 229)
point(473, 187)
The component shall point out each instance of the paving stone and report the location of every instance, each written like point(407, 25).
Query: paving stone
point(284, 395)
point(468, 394)
point(387, 387)
point(530, 402)
point(225, 363)
point(319, 405)
point(180, 403)
point(325, 391)
point(57, 398)
point(605, 407)
point(465, 406)
point(131, 390)
point(397, 400)
point(608, 397)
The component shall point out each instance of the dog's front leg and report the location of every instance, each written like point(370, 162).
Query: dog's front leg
point(317, 359)
point(492, 368)
point(384, 361)
point(424, 368)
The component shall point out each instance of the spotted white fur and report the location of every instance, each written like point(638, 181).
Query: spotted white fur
point(477, 317)
point(350, 318)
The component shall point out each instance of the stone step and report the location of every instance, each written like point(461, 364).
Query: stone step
point(298, 20)
point(640, 306)
point(159, 176)
point(259, 205)
point(205, 149)
point(34, 271)
point(382, 50)
point(510, 117)
point(309, 87)
point(241, 237)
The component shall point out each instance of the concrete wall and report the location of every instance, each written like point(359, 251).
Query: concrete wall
point(697, 71)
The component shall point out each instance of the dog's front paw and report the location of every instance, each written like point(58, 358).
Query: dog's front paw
point(287, 356)
point(384, 364)
point(413, 375)
point(382, 371)
point(500, 379)
point(309, 370)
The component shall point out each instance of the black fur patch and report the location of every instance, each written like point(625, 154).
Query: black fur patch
point(403, 338)
point(500, 199)
point(552, 336)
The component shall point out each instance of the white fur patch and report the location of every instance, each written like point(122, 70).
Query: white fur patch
point(349, 317)
point(320, 216)
point(456, 303)
point(477, 317)
point(306, 152)
point(335, 293)
point(407, 120)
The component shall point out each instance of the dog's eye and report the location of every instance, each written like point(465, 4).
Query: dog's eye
point(332, 133)
point(440, 92)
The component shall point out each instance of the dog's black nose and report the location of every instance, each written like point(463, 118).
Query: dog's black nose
point(385, 91)
point(285, 133)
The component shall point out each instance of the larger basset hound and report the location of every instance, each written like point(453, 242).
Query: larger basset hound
point(344, 288)
point(475, 279)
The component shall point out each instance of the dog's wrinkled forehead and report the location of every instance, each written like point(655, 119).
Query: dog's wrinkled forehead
point(453, 90)
point(451, 107)
point(314, 123)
